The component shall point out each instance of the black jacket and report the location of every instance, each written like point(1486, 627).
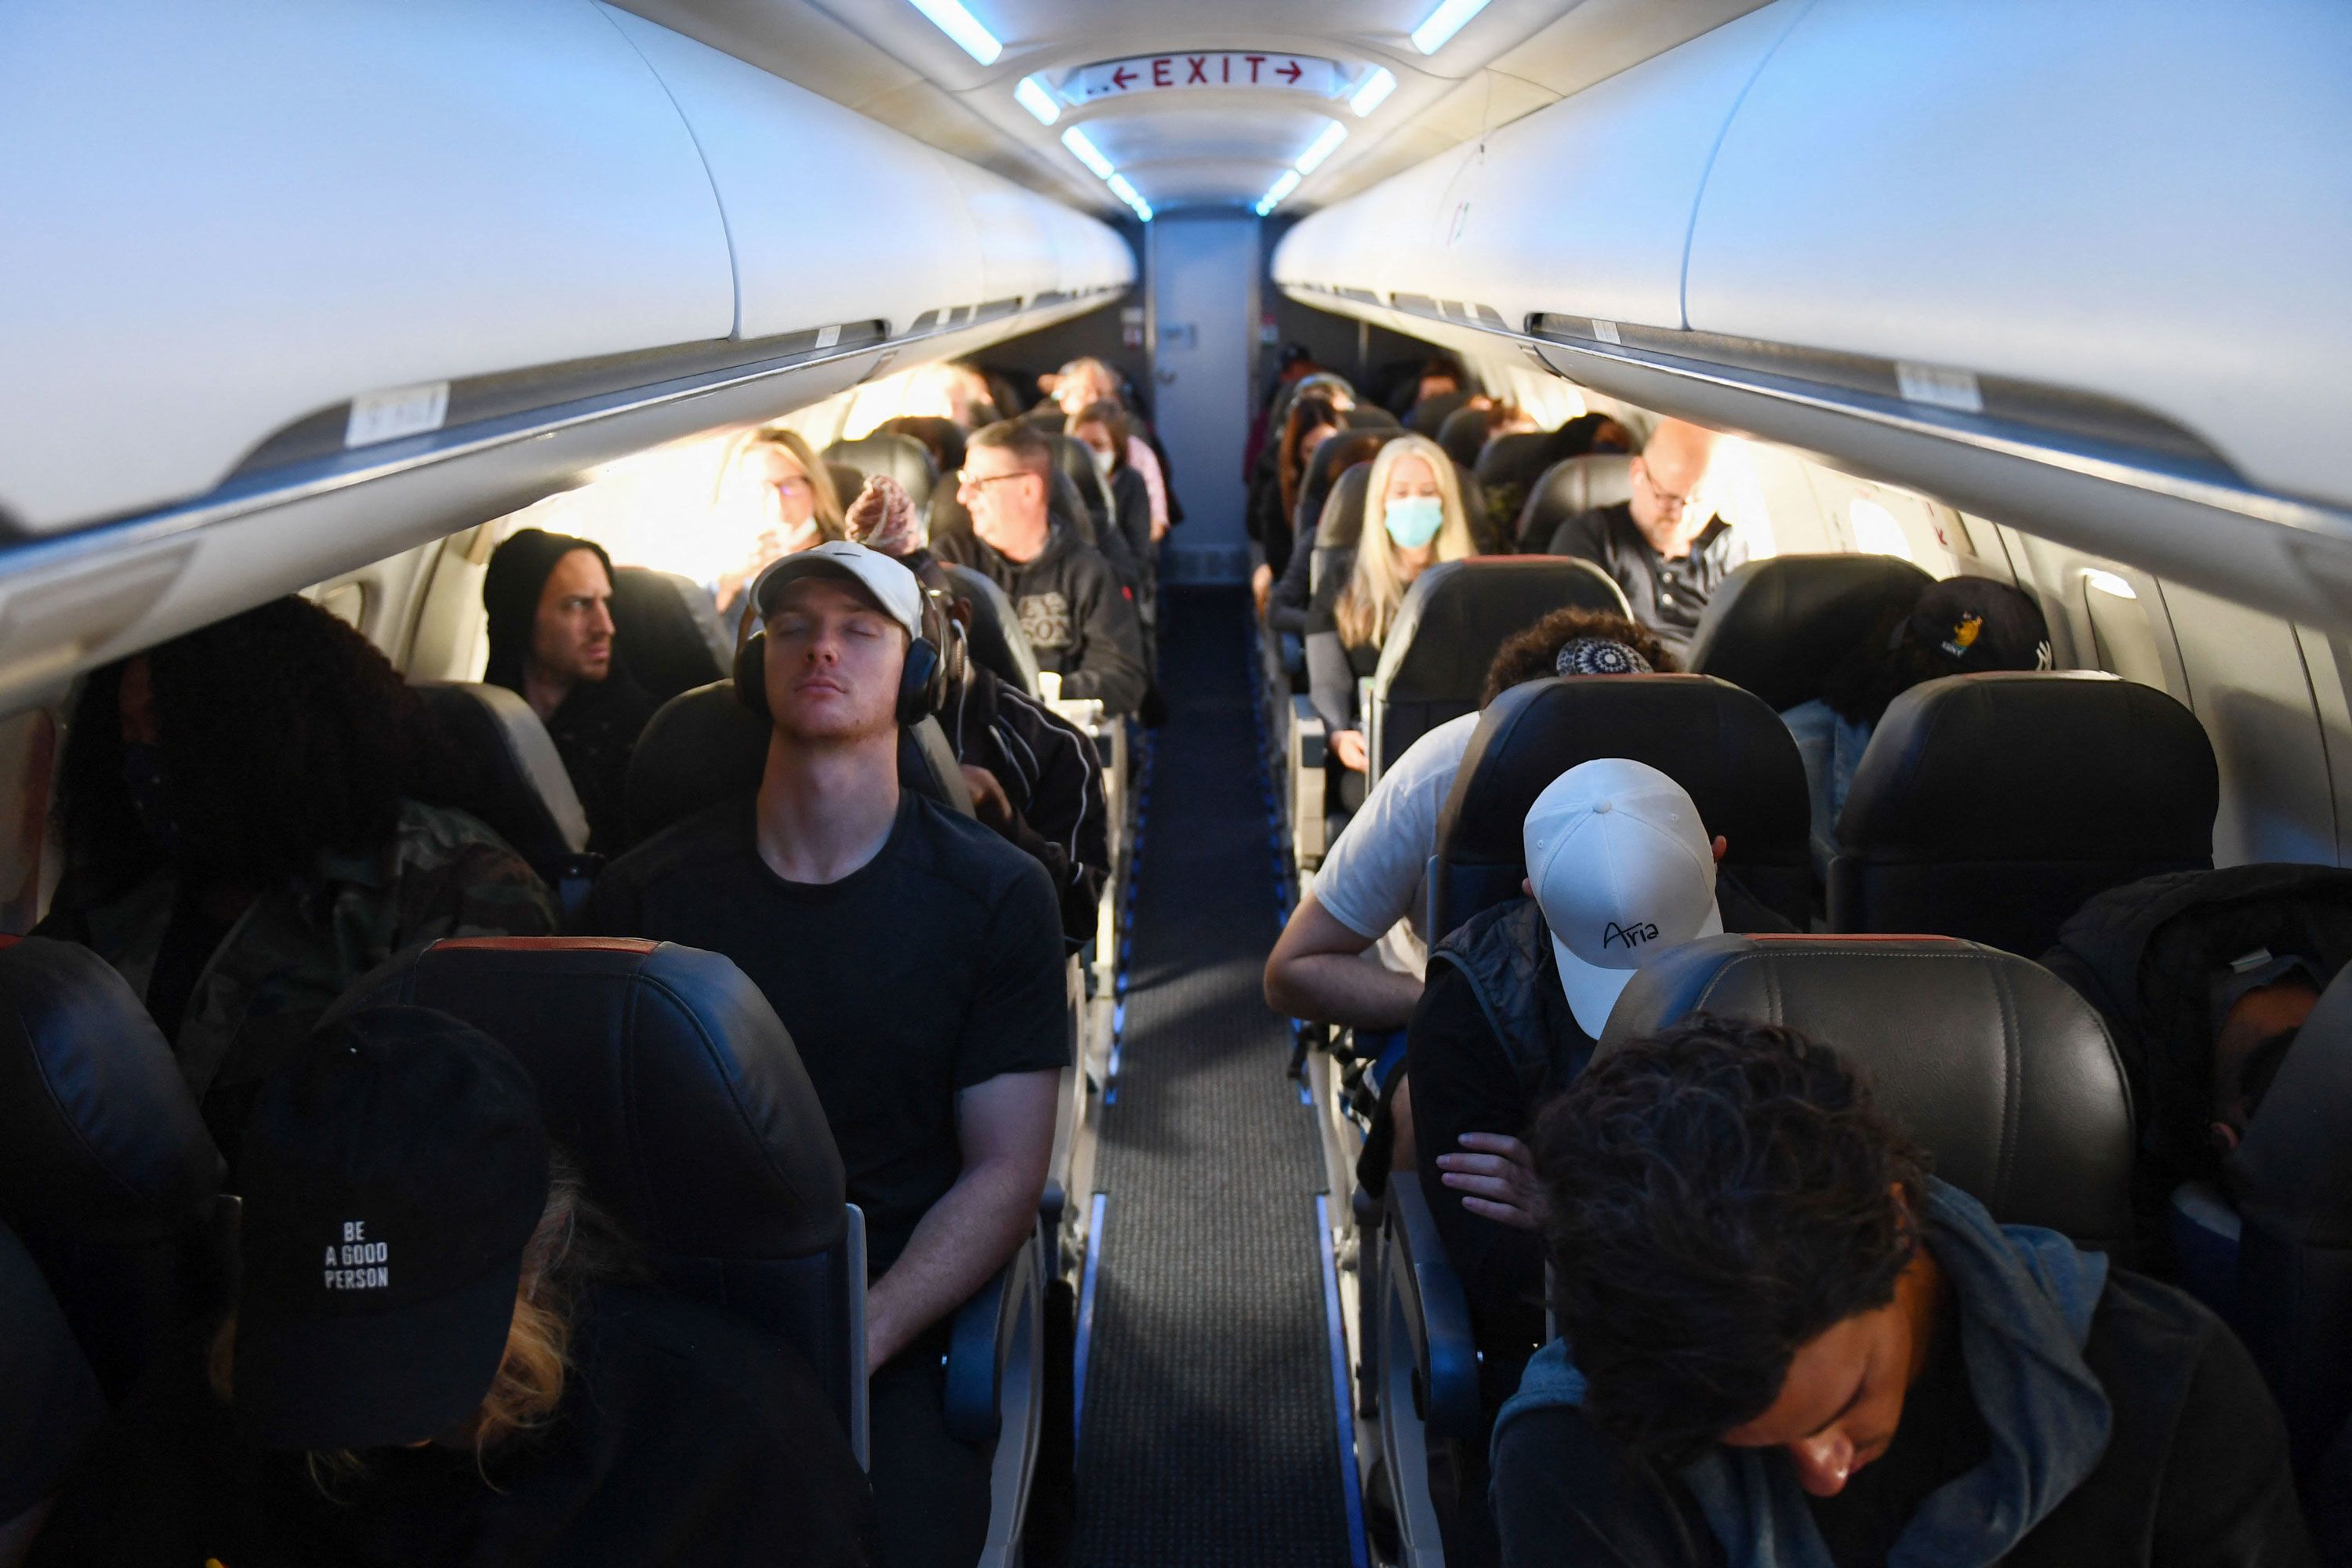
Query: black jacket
point(1077, 617)
point(1050, 775)
point(1667, 596)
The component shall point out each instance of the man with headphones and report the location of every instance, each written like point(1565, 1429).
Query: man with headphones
point(916, 958)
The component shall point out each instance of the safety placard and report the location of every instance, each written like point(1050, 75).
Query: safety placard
point(1214, 68)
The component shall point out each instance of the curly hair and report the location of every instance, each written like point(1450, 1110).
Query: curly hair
point(1716, 1197)
point(1531, 655)
point(283, 734)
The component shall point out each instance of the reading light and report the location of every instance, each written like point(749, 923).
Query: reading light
point(1087, 152)
point(1282, 187)
point(1031, 94)
point(2109, 583)
point(1322, 148)
point(1442, 23)
point(949, 17)
point(1374, 92)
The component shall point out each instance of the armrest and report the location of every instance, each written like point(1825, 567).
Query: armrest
point(981, 1342)
point(1305, 756)
point(1434, 1315)
point(574, 876)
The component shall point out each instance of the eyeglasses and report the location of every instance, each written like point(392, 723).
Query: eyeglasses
point(1668, 501)
point(978, 480)
point(794, 484)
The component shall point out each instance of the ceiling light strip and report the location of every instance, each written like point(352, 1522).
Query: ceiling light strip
point(1322, 147)
point(1032, 95)
point(1372, 91)
point(951, 18)
point(1281, 188)
point(1087, 152)
point(1434, 34)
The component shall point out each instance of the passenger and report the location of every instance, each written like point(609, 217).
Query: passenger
point(1079, 620)
point(1793, 1345)
point(1033, 775)
point(247, 826)
point(1105, 430)
point(470, 1379)
point(1082, 383)
point(1506, 490)
point(1412, 519)
point(1436, 378)
point(917, 959)
point(1667, 553)
point(1958, 626)
point(1294, 591)
point(1310, 422)
point(2204, 977)
point(549, 599)
point(790, 493)
point(956, 391)
point(1293, 365)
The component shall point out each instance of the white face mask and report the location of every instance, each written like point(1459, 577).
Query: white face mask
point(1104, 461)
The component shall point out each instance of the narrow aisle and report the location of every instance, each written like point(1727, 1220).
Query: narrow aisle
point(1209, 1433)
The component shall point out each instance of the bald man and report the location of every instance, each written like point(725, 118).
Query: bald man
point(1663, 546)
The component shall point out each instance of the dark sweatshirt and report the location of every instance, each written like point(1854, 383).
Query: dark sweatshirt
point(1079, 619)
point(1667, 596)
point(1053, 781)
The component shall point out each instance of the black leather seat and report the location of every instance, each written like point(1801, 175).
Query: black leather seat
point(848, 479)
point(902, 458)
point(1370, 416)
point(2292, 1174)
point(1513, 460)
point(1455, 617)
point(703, 747)
point(1075, 459)
point(1778, 627)
point(666, 631)
point(107, 1174)
point(942, 438)
point(1569, 487)
point(1463, 436)
point(1991, 807)
point(2000, 1071)
point(519, 784)
point(998, 644)
point(53, 1401)
point(1428, 416)
point(670, 1079)
point(1729, 752)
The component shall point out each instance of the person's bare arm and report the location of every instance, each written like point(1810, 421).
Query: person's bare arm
point(1318, 971)
point(1006, 1127)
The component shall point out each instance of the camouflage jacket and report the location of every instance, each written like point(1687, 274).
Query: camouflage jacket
point(303, 944)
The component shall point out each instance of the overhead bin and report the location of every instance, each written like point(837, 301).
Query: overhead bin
point(2078, 268)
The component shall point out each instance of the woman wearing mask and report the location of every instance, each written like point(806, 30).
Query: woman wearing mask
point(788, 492)
point(1412, 519)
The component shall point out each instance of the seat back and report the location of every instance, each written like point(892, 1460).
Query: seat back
point(107, 1172)
point(940, 436)
point(2000, 1071)
point(2293, 1177)
point(1778, 627)
point(1570, 486)
point(1991, 807)
point(704, 747)
point(668, 631)
point(1728, 751)
point(1370, 416)
point(998, 644)
point(1517, 459)
point(1454, 617)
point(1463, 436)
point(1073, 459)
point(520, 784)
point(1342, 526)
point(673, 1083)
point(53, 1404)
point(1429, 415)
point(902, 458)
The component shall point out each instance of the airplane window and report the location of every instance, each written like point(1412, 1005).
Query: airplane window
point(2122, 639)
point(1875, 530)
point(1734, 492)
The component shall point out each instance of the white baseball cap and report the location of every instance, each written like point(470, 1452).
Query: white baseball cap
point(1622, 870)
point(894, 588)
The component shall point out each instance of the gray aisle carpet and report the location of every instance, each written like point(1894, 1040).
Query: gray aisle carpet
point(1208, 1432)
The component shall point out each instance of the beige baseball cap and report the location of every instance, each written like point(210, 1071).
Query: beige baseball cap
point(1622, 870)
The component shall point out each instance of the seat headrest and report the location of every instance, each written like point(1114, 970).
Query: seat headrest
point(1778, 627)
point(520, 784)
point(2000, 1071)
point(1570, 486)
point(100, 1138)
point(668, 631)
point(998, 644)
point(941, 436)
point(2295, 1166)
point(847, 481)
point(1514, 459)
point(902, 458)
point(1457, 614)
point(663, 1070)
point(1729, 753)
point(1342, 524)
point(1430, 415)
point(1463, 436)
point(1370, 416)
point(703, 747)
point(2034, 765)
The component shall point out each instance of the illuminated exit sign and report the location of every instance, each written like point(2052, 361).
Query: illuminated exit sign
point(1216, 69)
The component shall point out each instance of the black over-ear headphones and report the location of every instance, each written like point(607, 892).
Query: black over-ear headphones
point(922, 681)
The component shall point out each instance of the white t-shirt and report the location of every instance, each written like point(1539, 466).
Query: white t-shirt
point(1371, 879)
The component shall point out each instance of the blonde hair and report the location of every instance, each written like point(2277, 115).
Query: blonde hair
point(826, 499)
point(1375, 590)
point(572, 1245)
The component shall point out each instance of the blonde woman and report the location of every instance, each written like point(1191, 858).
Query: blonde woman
point(1412, 519)
point(783, 487)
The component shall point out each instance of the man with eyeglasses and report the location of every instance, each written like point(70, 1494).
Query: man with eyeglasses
point(1079, 619)
point(1663, 546)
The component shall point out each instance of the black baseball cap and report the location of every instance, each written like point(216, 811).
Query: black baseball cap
point(394, 1171)
point(1980, 624)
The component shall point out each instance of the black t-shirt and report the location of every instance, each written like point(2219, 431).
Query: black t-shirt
point(684, 1436)
point(935, 966)
point(594, 730)
point(1941, 1438)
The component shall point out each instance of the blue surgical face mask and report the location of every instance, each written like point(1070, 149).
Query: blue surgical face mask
point(1414, 521)
point(150, 791)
